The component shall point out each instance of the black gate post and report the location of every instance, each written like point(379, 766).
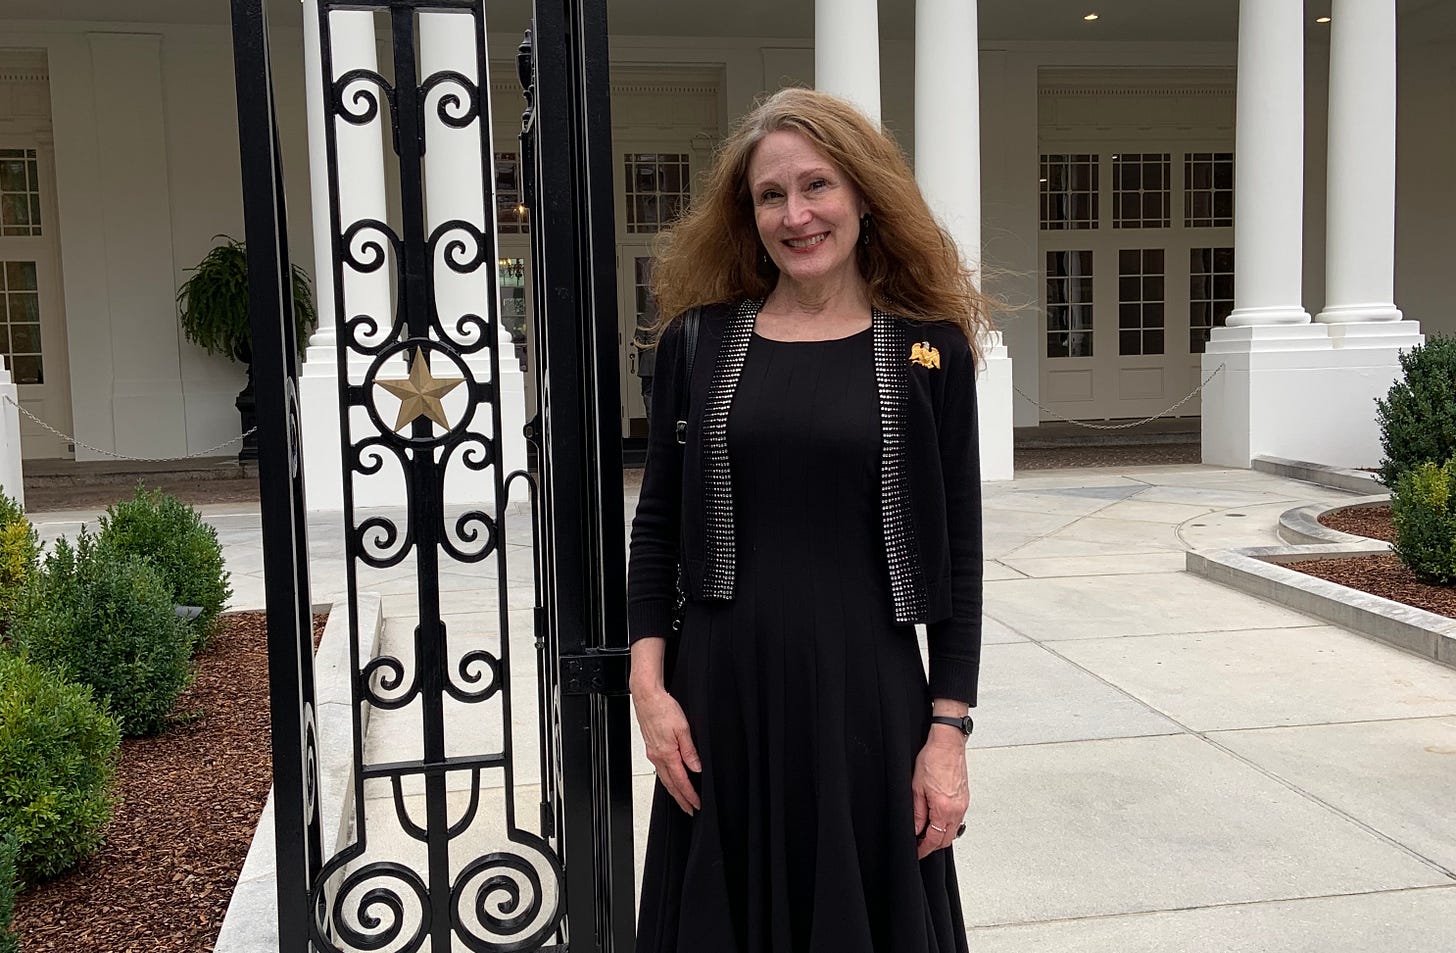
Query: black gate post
point(280, 482)
point(567, 143)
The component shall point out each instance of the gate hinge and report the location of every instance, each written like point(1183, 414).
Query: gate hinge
point(595, 672)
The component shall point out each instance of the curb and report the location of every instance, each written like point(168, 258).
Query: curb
point(1340, 478)
point(1301, 527)
point(251, 922)
point(1258, 570)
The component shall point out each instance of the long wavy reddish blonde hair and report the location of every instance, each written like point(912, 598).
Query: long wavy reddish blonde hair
point(912, 265)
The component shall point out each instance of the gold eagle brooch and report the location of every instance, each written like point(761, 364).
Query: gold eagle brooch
point(923, 354)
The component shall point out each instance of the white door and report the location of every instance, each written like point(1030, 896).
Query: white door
point(32, 324)
point(654, 184)
point(1137, 252)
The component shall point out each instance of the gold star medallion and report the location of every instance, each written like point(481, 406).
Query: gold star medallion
point(419, 396)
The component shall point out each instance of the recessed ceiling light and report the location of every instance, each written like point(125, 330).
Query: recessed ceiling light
point(1323, 20)
point(1090, 17)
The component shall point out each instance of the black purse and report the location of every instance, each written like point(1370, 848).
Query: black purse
point(684, 403)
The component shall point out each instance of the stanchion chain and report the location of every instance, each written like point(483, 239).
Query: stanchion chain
point(122, 456)
point(1136, 423)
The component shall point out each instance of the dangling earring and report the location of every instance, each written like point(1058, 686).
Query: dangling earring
point(865, 223)
point(763, 257)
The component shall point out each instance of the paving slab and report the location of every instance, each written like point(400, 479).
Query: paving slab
point(1129, 564)
point(1098, 828)
point(1409, 921)
point(1019, 680)
point(1107, 606)
point(1265, 677)
point(1396, 776)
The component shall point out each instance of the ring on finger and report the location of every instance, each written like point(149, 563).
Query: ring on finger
point(938, 830)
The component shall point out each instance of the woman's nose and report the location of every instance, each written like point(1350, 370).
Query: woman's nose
point(796, 210)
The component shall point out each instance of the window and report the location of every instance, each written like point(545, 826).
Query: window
point(510, 212)
point(1140, 298)
point(1208, 190)
point(1069, 304)
point(19, 193)
point(645, 305)
point(658, 185)
point(1210, 293)
point(20, 321)
point(1069, 191)
point(1141, 190)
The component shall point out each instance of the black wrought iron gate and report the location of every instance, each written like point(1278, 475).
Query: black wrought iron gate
point(563, 880)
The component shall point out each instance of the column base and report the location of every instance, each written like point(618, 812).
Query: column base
point(12, 483)
point(1264, 317)
point(1305, 393)
point(994, 400)
point(1359, 313)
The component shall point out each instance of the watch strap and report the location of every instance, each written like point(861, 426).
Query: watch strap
point(963, 725)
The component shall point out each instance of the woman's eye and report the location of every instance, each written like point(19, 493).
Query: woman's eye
point(819, 184)
point(769, 196)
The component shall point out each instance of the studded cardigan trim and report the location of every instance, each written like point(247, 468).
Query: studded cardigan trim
point(891, 350)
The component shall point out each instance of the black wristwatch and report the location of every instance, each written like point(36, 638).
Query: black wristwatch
point(964, 724)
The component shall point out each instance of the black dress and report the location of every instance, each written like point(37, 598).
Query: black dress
point(807, 704)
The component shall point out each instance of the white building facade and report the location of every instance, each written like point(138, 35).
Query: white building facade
point(1221, 190)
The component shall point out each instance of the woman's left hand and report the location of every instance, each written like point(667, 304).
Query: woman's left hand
point(940, 789)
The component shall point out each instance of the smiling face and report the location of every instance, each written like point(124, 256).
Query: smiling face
point(807, 210)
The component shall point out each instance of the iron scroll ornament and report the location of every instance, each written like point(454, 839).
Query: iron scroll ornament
point(511, 898)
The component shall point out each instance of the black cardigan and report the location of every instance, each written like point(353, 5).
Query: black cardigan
point(932, 517)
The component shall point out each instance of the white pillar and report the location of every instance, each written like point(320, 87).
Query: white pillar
point(456, 188)
point(360, 152)
point(11, 481)
point(1287, 387)
point(847, 52)
point(948, 169)
point(1269, 171)
point(1360, 204)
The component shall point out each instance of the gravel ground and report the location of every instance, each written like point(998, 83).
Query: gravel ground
point(190, 800)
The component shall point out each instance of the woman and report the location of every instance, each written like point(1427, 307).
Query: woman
point(825, 499)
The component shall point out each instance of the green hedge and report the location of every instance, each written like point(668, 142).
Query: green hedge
point(58, 752)
point(9, 854)
point(107, 621)
point(1418, 417)
point(171, 536)
point(19, 552)
point(1423, 507)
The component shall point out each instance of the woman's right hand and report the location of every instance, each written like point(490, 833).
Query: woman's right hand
point(664, 727)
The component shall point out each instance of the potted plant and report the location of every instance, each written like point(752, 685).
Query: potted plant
point(212, 307)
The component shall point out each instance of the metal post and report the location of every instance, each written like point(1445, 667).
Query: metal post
point(285, 540)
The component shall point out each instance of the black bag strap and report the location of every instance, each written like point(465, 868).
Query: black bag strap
point(690, 349)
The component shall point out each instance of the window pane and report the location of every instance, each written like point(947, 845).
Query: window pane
point(1057, 345)
point(1129, 316)
point(1081, 316)
point(26, 369)
point(1129, 289)
point(1080, 344)
point(14, 210)
point(1129, 343)
point(20, 275)
point(1153, 288)
point(1153, 341)
point(24, 308)
point(25, 338)
point(1058, 317)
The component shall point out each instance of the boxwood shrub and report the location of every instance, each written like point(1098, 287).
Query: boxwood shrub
point(1418, 416)
point(9, 853)
point(19, 551)
point(106, 620)
point(1423, 508)
point(171, 535)
point(58, 752)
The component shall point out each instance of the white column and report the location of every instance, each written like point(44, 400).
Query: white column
point(360, 152)
point(948, 169)
point(1360, 204)
point(456, 188)
point(1269, 171)
point(847, 51)
point(11, 482)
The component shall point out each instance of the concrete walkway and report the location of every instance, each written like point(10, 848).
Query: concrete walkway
point(1160, 763)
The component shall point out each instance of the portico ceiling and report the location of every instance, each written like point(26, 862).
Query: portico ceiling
point(1000, 20)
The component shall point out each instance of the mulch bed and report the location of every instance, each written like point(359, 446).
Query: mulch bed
point(1383, 574)
point(1136, 455)
point(190, 800)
